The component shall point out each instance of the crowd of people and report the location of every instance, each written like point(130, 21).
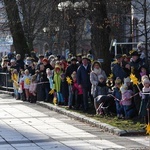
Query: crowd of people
point(80, 82)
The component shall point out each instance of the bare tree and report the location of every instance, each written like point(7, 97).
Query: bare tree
point(15, 25)
point(28, 18)
point(142, 25)
point(35, 16)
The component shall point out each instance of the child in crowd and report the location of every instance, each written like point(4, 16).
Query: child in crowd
point(27, 81)
point(143, 71)
point(77, 92)
point(145, 99)
point(127, 82)
point(57, 83)
point(102, 88)
point(32, 89)
point(15, 79)
point(21, 86)
point(126, 101)
point(50, 77)
point(50, 74)
point(72, 91)
point(110, 83)
point(117, 95)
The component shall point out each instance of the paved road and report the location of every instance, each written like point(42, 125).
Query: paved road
point(25, 126)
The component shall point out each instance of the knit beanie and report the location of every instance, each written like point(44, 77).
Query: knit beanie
point(126, 80)
point(146, 81)
point(123, 88)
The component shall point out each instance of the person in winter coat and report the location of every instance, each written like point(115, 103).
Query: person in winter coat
point(64, 88)
point(43, 85)
point(117, 97)
point(50, 74)
point(76, 93)
point(117, 68)
point(102, 88)
point(46, 64)
point(30, 65)
point(83, 80)
point(136, 62)
point(126, 101)
point(15, 79)
point(32, 89)
point(145, 99)
point(72, 67)
point(69, 70)
point(19, 61)
point(96, 71)
point(27, 82)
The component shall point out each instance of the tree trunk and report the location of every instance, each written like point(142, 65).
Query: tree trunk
point(19, 40)
point(146, 32)
point(100, 34)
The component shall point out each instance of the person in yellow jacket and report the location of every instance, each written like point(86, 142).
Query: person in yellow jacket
point(15, 79)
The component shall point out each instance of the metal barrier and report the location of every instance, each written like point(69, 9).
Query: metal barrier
point(5, 82)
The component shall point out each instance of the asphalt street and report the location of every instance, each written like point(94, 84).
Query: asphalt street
point(26, 126)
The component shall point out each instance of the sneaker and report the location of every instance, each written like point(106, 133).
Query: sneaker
point(70, 107)
point(121, 116)
point(118, 116)
point(101, 113)
point(97, 113)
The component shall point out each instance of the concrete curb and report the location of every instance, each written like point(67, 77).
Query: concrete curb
point(105, 127)
point(6, 92)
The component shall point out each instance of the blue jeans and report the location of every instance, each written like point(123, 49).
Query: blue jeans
point(16, 92)
point(70, 98)
point(60, 97)
point(85, 98)
point(119, 108)
point(129, 111)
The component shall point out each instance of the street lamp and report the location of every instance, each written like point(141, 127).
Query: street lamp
point(72, 7)
point(45, 29)
point(51, 33)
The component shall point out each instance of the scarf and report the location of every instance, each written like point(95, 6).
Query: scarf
point(97, 71)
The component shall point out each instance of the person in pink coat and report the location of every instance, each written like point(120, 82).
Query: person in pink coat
point(126, 101)
point(78, 92)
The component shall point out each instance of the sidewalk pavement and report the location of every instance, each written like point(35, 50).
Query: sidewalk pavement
point(105, 127)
